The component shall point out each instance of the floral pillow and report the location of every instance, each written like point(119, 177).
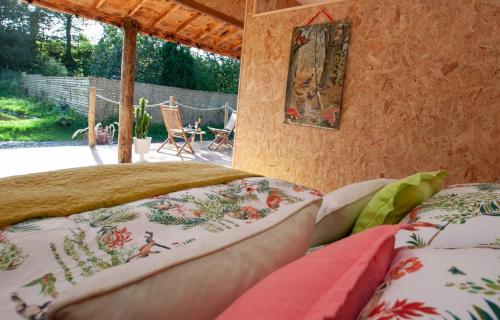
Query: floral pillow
point(431, 283)
point(459, 216)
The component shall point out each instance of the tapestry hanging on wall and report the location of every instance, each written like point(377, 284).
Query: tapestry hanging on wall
point(316, 74)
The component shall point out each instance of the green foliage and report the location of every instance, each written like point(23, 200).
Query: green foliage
point(216, 73)
point(20, 29)
point(165, 63)
point(82, 50)
point(48, 66)
point(142, 120)
point(106, 59)
point(53, 44)
point(178, 66)
point(28, 119)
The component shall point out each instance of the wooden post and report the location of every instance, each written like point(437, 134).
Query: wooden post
point(91, 116)
point(127, 91)
point(226, 113)
point(172, 102)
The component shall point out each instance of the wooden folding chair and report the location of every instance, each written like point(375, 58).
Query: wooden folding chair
point(173, 124)
point(222, 135)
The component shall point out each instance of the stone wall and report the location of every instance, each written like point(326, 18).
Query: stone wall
point(74, 92)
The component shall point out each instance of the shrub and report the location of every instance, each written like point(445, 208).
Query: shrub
point(49, 66)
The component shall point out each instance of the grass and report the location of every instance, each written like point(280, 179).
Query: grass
point(25, 118)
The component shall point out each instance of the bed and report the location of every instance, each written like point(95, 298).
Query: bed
point(192, 241)
point(147, 241)
point(441, 262)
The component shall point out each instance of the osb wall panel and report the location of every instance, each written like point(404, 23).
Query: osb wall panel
point(270, 5)
point(422, 92)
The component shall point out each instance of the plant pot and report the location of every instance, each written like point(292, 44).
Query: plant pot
point(141, 146)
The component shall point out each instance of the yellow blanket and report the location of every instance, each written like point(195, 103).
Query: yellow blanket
point(70, 191)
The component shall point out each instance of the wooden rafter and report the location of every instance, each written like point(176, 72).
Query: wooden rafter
point(187, 22)
point(99, 3)
point(228, 35)
point(165, 15)
point(188, 42)
point(209, 31)
point(191, 4)
point(235, 46)
point(136, 8)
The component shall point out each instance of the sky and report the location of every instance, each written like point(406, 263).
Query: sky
point(93, 31)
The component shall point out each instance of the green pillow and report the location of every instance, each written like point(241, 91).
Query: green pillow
point(396, 199)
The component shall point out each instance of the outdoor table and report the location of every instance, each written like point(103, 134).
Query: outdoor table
point(193, 133)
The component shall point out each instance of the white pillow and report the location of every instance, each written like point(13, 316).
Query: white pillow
point(340, 209)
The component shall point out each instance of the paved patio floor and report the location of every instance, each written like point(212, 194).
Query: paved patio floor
point(17, 161)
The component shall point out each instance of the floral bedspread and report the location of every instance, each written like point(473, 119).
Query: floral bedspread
point(448, 265)
point(40, 259)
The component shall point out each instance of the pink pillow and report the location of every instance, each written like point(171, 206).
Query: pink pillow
point(334, 282)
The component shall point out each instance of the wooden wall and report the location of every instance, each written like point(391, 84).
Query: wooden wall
point(422, 92)
point(270, 5)
point(233, 8)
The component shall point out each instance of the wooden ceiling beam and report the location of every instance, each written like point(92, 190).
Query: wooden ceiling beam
point(209, 31)
point(190, 43)
point(99, 3)
point(136, 8)
point(165, 15)
point(228, 35)
point(234, 46)
point(187, 22)
point(193, 5)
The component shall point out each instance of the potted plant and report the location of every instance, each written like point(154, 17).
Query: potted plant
point(142, 142)
point(104, 134)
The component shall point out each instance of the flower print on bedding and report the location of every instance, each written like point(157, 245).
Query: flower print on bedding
point(45, 257)
point(226, 206)
point(465, 215)
point(434, 283)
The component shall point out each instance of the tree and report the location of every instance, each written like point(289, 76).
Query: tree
point(21, 28)
point(216, 73)
point(177, 66)
point(149, 64)
point(68, 60)
point(106, 58)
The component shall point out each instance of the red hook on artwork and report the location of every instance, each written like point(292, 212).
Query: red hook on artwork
point(321, 11)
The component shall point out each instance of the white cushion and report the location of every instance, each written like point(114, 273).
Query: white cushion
point(340, 209)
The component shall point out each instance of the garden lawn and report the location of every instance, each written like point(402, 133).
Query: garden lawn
point(25, 119)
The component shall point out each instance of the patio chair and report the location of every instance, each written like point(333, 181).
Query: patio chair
point(222, 135)
point(173, 124)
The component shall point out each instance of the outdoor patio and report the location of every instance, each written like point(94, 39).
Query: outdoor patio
point(16, 161)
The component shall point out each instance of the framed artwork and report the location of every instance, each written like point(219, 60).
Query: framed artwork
point(316, 74)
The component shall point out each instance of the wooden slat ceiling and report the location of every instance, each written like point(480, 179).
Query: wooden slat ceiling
point(183, 21)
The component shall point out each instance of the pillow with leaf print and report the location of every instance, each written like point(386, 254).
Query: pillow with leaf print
point(431, 283)
point(395, 200)
point(459, 216)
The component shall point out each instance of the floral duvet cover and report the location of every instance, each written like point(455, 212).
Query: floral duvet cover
point(40, 259)
point(448, 265)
